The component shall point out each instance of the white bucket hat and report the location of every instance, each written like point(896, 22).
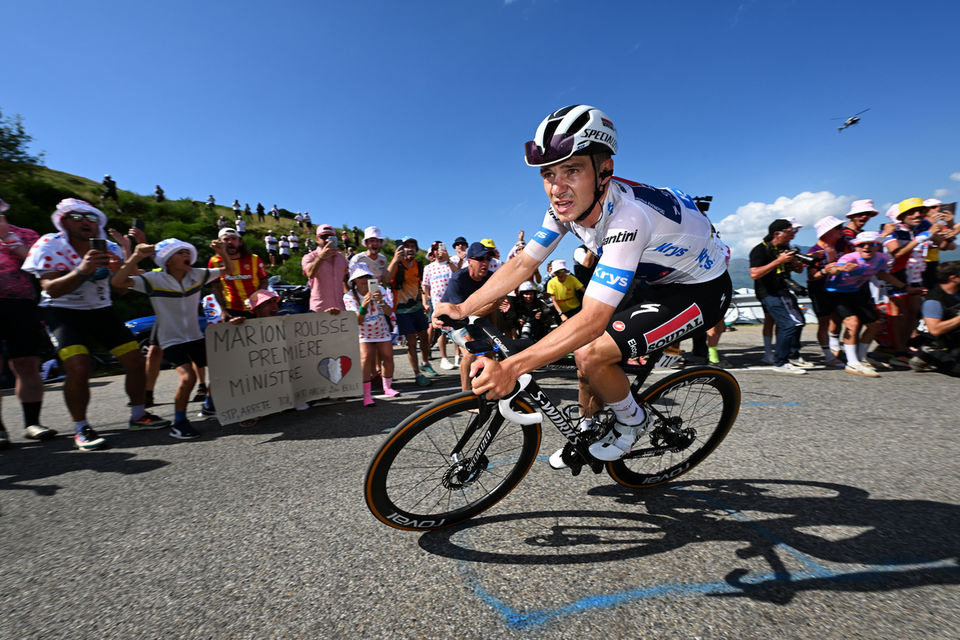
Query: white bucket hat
point(557, 265)
point(72, 205)
point(168, 247)
point(372, 233)
point(862, 206)
point(823, 225)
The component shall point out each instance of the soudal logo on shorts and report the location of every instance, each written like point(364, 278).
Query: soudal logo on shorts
point(619, 326)
point(672, 330)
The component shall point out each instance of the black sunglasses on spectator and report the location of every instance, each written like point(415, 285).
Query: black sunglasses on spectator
point(79, 217)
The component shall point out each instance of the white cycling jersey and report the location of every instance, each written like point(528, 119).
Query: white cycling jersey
point(657, 235)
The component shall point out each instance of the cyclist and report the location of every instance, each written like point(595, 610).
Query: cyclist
point(661, 274)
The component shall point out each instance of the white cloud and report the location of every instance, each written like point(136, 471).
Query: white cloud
point(941, 193)
point(955, 176)
point(744, 229)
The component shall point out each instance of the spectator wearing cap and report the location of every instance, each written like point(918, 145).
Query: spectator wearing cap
point(271, 243)
point(21, 334)
point(436, 275)
point(175, 292)
point(770, 264)
point(831, 244)
point(527, 316)
point(848, 286)
point(76, 304)
point(283, 248)
point(405, 273)
point(264, 303)
point(326, 270)
point(459, 257)
point(564, 290)
point(375, 261)
point(294, 243)
point(907, 244)
point(373, 307)
point(462, 285)
point(941, 239)
point(495, 260)
point(235, 285)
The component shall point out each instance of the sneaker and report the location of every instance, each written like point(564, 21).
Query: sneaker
point(834, 362)
point(201, 393)
point(184, 431)
point(617, 442)
point(427, 370)
point(789, 367)
point(446, 364)
point(803, 364)
point(206, 412)
point(423, 381)
point(4, 438)
point(87, 439)
point(767, 359)
point(878, 364)
point(39, 432)
point(149, 421)
point(862, 369)
point(917, 364)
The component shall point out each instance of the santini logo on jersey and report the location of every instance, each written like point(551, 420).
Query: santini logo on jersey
point(616, 279)
point(623, 236)
point(545, 237)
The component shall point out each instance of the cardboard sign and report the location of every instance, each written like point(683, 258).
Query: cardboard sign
point(266, 365)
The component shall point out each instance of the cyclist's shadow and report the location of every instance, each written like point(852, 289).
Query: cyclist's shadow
point(809, 522)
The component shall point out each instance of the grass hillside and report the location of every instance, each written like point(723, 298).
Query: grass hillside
point(33, 196)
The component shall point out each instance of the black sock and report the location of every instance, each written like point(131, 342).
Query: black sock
point(31, 413)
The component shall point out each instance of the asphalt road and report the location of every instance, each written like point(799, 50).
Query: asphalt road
point(830, 511)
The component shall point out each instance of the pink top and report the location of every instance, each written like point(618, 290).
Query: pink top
point(14, 283)
point(326, 285)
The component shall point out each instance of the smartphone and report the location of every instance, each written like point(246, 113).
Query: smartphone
point(98, 244)
point(441, 247)
point(138, 223)
point(373, 284)
point(332, 242)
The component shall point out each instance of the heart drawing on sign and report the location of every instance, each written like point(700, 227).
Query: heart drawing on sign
point(334, 369)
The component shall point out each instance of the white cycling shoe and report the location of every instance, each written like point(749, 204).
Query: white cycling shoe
point(617, 442)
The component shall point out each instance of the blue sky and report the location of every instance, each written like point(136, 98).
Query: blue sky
point(412, 115)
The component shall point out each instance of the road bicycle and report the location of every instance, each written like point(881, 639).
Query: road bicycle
point(463, 453)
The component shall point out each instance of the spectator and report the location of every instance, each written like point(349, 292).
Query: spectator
point(436, 275)
point(260, 210)
point(907, 244)
point(298, 218)
point(284, 248)
point(941, 314)
point(159, 195)
point(464, 283)
point(76, 305)
point(307, 223)
point(770, 262)
point(459, 260)
point(375, 261)
point(275, 213)
point(373, 308)
point(264, 303)
point(235, 285)
point(860, 212)
point(109, 191)
point(236, 208)
point(405, 273)
point(21, 334)
point(326, 270)
point(241, 225)
point(222, 223)
point(528, 316)
point(831, 244)
point(495, 260)
point(246, 210)
point(848, 286)
point(270, 241)
point(210, 202)
point(294, 243)
point(564, 290)
point(175, 292)
point(941, 238)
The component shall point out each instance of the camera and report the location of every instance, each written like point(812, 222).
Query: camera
point(796, 289)
point(806, 260)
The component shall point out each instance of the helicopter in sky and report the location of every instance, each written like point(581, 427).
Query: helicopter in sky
point(849, 122)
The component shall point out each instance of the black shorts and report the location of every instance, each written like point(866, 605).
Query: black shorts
point(857, 303)
point(657, 316)
point(73, 330)
point(187, 352)
point(21, 333)
point(821, 300)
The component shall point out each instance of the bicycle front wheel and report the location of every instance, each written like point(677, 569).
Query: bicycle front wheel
point(692, 412)
point(429, 473)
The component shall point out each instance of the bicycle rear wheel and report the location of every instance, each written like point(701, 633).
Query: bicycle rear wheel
point(693, 412)
point(425, 475)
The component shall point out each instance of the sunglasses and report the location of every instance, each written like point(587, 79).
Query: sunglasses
point(80, 217)
point(483, 259)
point(559, 148)
point(869, 245)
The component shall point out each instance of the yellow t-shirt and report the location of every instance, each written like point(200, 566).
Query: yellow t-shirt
point(565, 292)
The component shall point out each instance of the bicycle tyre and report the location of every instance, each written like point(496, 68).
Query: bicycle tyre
point(706, 401)
point(404, 486)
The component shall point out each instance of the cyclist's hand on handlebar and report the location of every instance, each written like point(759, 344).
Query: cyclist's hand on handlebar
point(494, 379)
point(446, 309)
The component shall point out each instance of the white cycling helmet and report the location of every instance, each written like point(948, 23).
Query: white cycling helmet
point(577, 129)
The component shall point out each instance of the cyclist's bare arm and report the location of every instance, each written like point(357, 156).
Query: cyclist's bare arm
point(504, 280)
point(498, 379)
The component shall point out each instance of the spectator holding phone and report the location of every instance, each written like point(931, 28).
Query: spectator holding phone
point(326, 271)
point(373, 305)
